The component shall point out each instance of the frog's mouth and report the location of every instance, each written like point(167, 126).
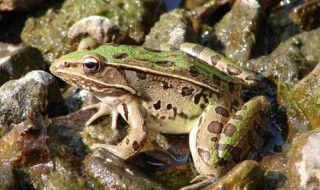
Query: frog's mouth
point(88, 83)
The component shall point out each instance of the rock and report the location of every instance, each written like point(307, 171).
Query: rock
point(17, 60)
point(235, 34)
point(303, 164)
point(101, 29)
point(204, 10)
point(307, 15)
point(36, 92)
point(46, 163)
point(274, 168)
point(173, 28)
point(306, 94)
point(134, 17)
point(111, 172)
point(19, 5)
point(245, 175)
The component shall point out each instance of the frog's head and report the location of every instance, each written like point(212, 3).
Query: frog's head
point(89, 70)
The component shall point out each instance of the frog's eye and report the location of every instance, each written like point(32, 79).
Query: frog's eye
point(91, 64)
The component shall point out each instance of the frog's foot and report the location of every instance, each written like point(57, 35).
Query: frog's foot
point(200, 184)
point(103, 109)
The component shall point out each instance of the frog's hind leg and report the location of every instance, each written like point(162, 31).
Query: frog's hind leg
point(203, 139)
point(245, 132)
point(221, 63)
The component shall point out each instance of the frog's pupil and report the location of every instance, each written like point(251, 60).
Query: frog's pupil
point(90, 65)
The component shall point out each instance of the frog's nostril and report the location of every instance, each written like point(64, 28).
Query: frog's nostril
point(66, 64)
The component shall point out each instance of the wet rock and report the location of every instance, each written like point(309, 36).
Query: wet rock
point(36, 92)
point(306, 94)
point(110, 172)
point(303, 164)
point(19, 5)
point(33, 146)
point(287, 66)
point(246, 175)
point(134, 17)
point(101, 29)
point(235, 34)
point(274, 168)
point(17, 60)
point(204, 10)
point(173, 28)
point(307, 15)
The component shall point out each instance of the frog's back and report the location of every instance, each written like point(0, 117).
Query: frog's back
point(175, 64)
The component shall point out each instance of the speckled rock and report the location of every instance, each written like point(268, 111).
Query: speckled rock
point(306, 94)
point(274, 168)
point(110, 172)
point(17, 60)
point(246, 175)
point(132, 16)
point(173, 28)
point(19, 5)
point(303, 164)
point(36, 92)
point(236, 33)
point(101, 29)
point(38, 159)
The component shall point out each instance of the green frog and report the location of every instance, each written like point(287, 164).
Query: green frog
point(188, 89)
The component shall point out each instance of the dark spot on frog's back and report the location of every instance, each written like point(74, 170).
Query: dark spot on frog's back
point(185, 91)
point(157, 105)
point(120, 55)
point(164, 63)
point(141, 75)
point(152, 50)
point(194, 71)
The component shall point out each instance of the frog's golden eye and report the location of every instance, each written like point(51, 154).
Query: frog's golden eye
point(91, 64)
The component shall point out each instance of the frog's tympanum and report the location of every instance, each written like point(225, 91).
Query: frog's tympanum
point(189, 89)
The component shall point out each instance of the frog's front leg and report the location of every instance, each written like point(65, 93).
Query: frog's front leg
point(220, 140)
point(136, 137)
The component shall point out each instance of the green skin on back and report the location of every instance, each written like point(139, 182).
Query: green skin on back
point(172, 92)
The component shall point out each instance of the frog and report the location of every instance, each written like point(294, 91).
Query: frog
point(182, 89)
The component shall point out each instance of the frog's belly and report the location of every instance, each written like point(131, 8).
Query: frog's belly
point(171, 126)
